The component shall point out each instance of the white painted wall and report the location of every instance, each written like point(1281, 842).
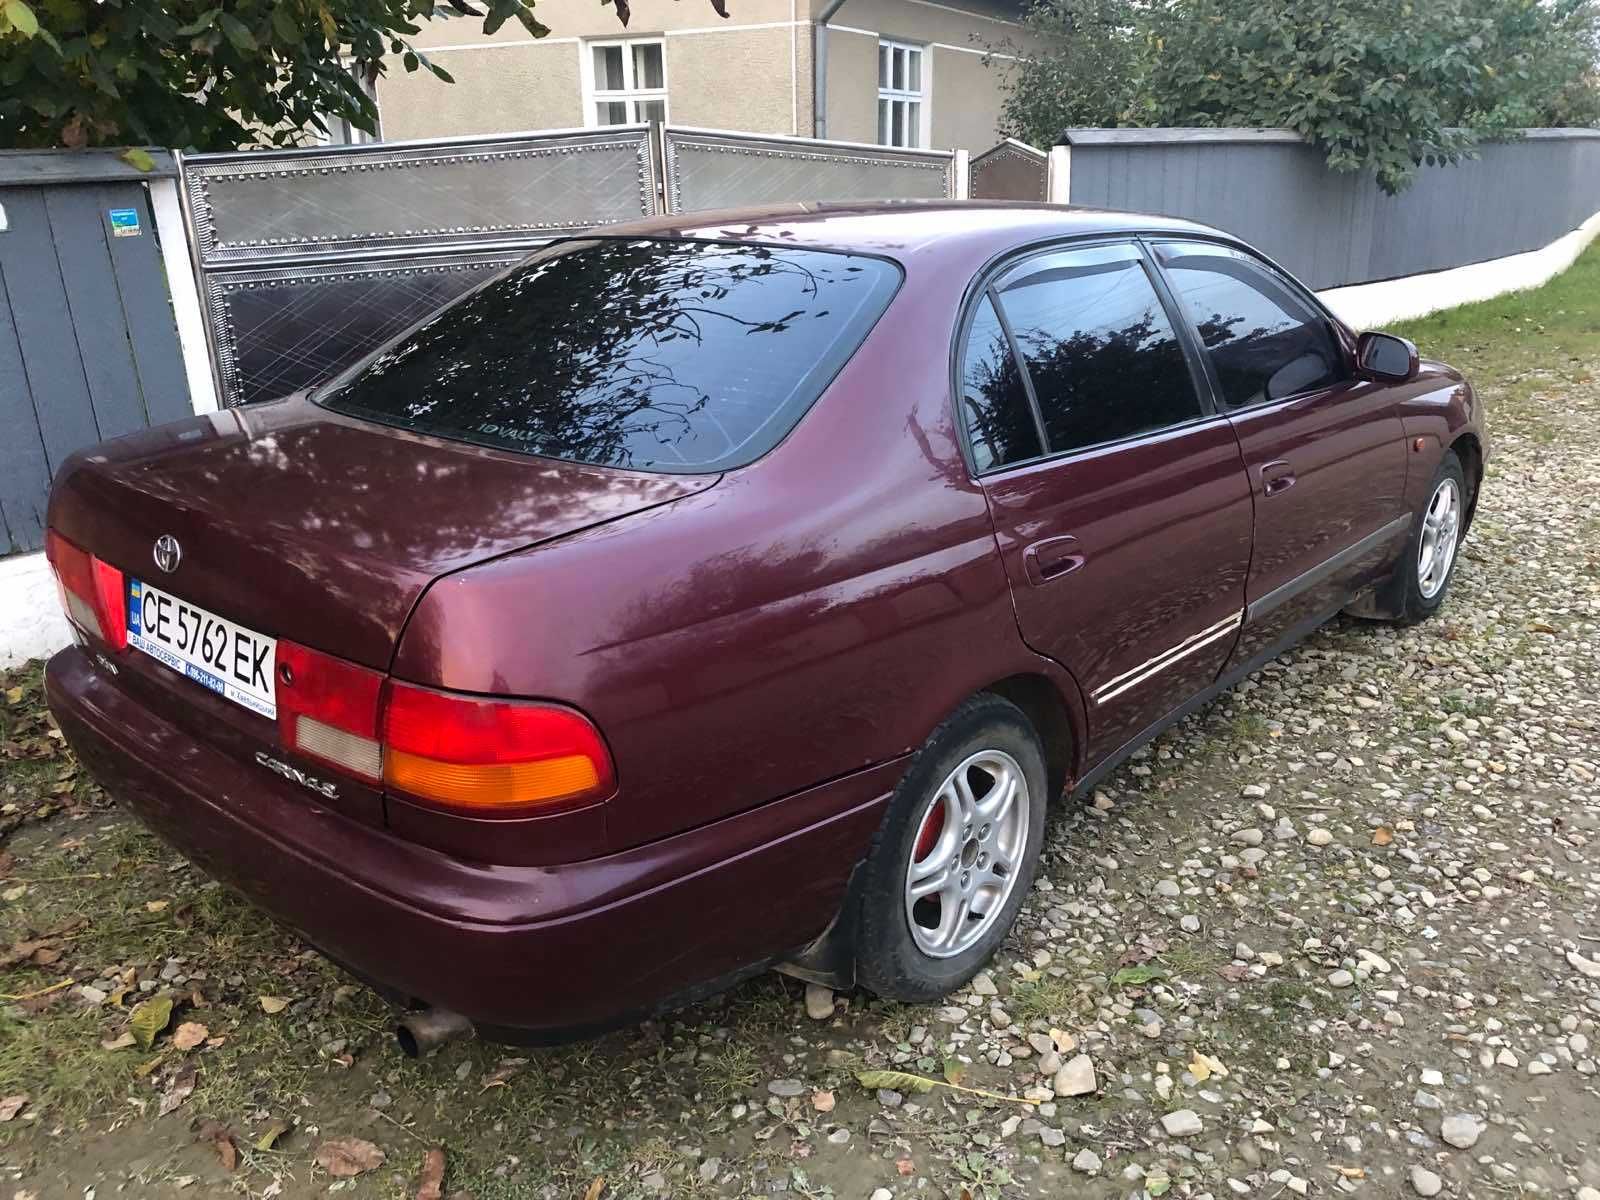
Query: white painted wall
point(35, 626)
point(1374, 305)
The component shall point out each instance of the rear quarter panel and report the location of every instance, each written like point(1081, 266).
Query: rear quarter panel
point(814, 613)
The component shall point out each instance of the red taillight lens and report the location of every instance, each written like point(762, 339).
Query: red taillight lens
point(491, 757)
point(92, 591)
point(328, 709)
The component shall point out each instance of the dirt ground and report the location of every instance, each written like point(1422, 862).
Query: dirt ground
point(1339, 932)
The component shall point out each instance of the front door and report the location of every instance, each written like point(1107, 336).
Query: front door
point(1119, 500)
point(1325, 450)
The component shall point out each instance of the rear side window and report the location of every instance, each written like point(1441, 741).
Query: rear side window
point(660, 355)
point(999, 419)
point(1103, 357)
point(1264, 341)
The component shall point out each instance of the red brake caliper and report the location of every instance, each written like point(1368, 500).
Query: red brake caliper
point(932, 826)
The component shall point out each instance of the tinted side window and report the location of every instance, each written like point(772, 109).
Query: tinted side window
point(1104, 359)
point(1000, 422)
point(1264, 341)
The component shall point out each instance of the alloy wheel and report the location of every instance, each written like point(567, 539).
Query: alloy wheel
point(968, 854)
point(1436, 552)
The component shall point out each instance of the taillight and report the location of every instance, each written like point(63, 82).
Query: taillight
point(91, 591)
point(328, 709)
point(491, 757)
point(467, 753)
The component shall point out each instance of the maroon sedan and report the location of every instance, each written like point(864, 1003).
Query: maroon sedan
point(735, 590)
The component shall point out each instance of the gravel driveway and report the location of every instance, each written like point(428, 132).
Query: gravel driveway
point(1339, 932)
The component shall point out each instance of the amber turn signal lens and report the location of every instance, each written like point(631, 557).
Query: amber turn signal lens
point(496, 785)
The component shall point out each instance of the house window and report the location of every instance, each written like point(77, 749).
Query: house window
point(627, 83)
point(902, 95)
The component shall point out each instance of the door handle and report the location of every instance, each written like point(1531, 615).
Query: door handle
point(1050, 559)
point(1276, 476)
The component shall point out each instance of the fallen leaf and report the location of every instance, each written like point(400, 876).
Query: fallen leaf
point(1209, 1064)
point(16, 893)
point(221, 1139)
point(347, 1157)
point(270, 1135)
point(179, 1090)
point(189, 1035)
point(145, 1068)
point(905, 1166)
point(596, 1186)
point(823, 1102)
point(121, 1042)
point(12, 1105)
point(150, 1018)
point(1134, 976)
point(273, 1004)
point(1200, 1069)
point(504, 1073)
point(1382, 835)
point(954, 1069)
point(430, 1184)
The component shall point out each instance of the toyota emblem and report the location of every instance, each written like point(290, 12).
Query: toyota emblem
point(168, 553)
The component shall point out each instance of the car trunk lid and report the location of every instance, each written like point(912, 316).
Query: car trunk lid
point(323, 529)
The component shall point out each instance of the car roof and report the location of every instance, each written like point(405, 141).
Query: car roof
point(905, 229)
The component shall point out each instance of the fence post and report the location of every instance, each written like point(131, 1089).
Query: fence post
point(177, 257)
point(1058, 175)
point(961, 177)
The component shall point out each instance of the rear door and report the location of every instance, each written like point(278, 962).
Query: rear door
point(1325, 450)
point(1119, 499)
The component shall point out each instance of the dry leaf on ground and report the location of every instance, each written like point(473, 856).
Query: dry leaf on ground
point(12, 1105)
point(346, 1157)
point(179, 1090)
point(149, 1019)
point(596, 1186)
point(221, 1139)
point(430, 1184)
point(189, 1035)
point(270, 1135)
point(273, 1004)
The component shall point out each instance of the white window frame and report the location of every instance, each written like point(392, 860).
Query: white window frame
point(629, 94)
point(922, 97)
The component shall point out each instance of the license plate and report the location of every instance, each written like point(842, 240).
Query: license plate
point(227, 658)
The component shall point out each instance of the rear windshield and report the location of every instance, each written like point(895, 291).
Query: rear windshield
point(660, 355)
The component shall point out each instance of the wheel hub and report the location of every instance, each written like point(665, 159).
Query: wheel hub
point(968, 854)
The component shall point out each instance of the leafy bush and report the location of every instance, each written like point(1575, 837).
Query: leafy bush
point(1378, 85)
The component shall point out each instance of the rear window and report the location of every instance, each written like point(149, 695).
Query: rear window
point(660, 355)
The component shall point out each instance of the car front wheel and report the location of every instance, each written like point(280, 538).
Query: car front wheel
point(1430, 560)
point(955, 856)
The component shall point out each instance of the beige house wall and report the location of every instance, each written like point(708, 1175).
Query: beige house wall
point(501, 90)
point(965, 94)
point(751, 73)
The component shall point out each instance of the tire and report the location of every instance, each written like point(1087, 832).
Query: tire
point(1422, 578)
point(918, 950)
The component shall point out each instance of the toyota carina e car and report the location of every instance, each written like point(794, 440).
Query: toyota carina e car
point(732, 590)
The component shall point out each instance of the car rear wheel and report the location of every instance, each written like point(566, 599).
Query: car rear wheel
point(955, 856)
point(1430, 559)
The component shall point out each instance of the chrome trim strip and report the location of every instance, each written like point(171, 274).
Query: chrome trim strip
point(1151, 667)
point(1285, 592)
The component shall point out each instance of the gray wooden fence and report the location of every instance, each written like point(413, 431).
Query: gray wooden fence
point(1333, 229)
point(88, 345)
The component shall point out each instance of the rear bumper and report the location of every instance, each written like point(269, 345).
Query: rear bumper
point(541, 950)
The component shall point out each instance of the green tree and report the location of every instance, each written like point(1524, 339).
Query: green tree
point(1083, 64)
point(1379, 86)
point(211, 74)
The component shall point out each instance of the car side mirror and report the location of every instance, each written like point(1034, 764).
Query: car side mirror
point(1385, 357)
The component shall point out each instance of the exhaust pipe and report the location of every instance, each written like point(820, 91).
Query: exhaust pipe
point(421, 1033)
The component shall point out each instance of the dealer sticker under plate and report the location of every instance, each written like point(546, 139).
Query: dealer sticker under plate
point(227, 658)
